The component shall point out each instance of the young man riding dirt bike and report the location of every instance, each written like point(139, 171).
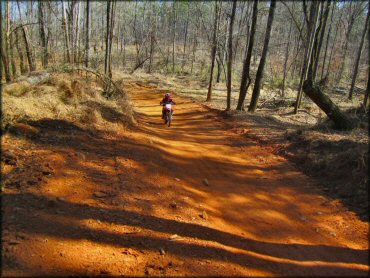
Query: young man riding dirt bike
point(167, 110)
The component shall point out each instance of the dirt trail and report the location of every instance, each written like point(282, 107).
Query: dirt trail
point(136, 203)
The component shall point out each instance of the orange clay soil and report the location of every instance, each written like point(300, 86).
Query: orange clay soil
point(81, 201)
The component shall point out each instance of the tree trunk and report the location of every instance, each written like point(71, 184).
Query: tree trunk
point(8, 45)
point(333, 45)
point(111, 28)
point(366, 98)
point(66, 34)
point(6, 67)
point(153, 29)
point(315, 43)
point(71, 25)
point(359, 55)
point(230, 56)
point(185, 38)
point(173, 36)
point(318, 49)
point(286, 58)
point(107, 39)
point(87, 33)
point(194, 49)
point(327, 42)
point(218, 70)
point(44, 56)
point(307, 53)
point(246, 80)
point(77, 34)
point(22, 59)
point(259, 75)
point(11, 54)
point(30, 57)
point(213, 53)
point(340, 120)
point(344, 52)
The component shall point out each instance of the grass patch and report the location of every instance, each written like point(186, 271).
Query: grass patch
point(63, 96)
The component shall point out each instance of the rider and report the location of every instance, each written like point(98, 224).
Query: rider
point(166, 100)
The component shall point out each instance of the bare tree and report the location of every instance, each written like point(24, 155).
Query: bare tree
point(230, 55)
point(357, 62)
point(87, 33)
point(355, 10)
point(286, 57)
point(214, 49)
point(260, 70)
point(311, 28)
point(246, 80)
point(66, 34)
point(42, 34)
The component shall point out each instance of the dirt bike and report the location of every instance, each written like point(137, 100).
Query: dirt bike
point(168, 114)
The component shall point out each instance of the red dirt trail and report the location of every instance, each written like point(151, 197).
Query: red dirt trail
point(80, 201)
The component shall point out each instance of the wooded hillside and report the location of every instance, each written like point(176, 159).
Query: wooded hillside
point(326, 41)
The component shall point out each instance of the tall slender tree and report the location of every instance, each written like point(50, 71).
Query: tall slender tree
point(44, 59)
point(260, 70)
point(87, 33)
point(214, 49)
point(359, 51)
point(310, 35)
point(230, 55)
point(246, 80)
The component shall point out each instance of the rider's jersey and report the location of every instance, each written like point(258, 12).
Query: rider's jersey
point(166, 100)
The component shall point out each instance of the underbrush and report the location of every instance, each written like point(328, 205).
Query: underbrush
point(63, 96)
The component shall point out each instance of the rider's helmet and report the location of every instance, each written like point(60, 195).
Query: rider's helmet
point(168, 95)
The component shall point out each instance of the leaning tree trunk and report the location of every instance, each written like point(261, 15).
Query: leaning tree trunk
point(259, 75)
point(340, 120)
point(359, 55)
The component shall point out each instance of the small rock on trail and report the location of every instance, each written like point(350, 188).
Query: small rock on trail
point(173, 205)
point(204, 215)
point(205, 182)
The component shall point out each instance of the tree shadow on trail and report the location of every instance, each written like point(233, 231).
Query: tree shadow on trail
point(63, 136)
point(52, 226)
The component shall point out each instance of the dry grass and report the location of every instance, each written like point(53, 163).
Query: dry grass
point(63, 96)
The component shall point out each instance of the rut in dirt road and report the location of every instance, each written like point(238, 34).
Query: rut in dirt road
point(252, 192)
point(192, 199)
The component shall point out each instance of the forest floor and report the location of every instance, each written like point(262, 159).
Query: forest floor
point(199, 198)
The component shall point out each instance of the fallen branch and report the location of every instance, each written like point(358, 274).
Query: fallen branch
point(139, 65)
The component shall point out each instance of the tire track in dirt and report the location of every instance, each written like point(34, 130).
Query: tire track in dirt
point(131, 203)
point(255, 194)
